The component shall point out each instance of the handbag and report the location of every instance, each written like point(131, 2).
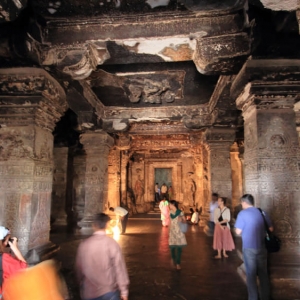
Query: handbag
point(272, 242)
point(183, 226)
point(220, 219)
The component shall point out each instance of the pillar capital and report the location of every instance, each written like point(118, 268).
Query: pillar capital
point(219, 136)
point(267, 84)
point(96, 140)
point(30, 96)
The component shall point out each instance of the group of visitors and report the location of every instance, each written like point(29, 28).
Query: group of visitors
point(163, 192)
point(251, 225)
point(100, 266)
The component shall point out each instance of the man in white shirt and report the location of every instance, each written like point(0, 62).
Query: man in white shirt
point(195, 217)
point(122, 215)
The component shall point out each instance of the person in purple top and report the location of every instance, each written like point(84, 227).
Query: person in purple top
point(250, 224)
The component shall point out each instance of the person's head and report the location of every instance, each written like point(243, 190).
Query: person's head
point(191, 210)
point(173, 204)
point(247, 200)
point(215, 197)
point(111, 209)
point(221, 201)
point(100, 221)
point(4, 236)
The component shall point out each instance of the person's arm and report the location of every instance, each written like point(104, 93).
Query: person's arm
point(14, 247)
point(121, 272)
point(238, 231)
point(216, 215)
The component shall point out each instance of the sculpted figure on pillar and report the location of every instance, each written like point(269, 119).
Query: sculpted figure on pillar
point(190, 189)
point(139, 191)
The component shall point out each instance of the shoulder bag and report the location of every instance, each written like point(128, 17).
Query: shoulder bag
point(220, 219)
point(272, 242)
point(183, 226)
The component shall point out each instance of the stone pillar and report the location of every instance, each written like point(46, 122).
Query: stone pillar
point(272, 157)
point(237, 178)
point(78, 185)
point(96, 146)
point(58, 208)
point(36, 103)
point(218, 142)
point(124, 175)
point(114, 171)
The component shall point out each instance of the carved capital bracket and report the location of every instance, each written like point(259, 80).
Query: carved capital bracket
point(221, 54)
point(219, 136)
point(96, 141)
point(10, 10)
point(30, 96)
point(123, 142)
point(267, 84)
point(76, 60)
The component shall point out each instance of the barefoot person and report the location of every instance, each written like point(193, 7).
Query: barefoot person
point(222, 236)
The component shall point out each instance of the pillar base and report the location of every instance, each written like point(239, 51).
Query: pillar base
point(42, 253)
point(86, 222)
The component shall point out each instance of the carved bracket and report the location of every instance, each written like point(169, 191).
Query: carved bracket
point(25, 90)
point(78, 61)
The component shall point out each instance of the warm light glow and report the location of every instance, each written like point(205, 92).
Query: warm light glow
point(116, 232)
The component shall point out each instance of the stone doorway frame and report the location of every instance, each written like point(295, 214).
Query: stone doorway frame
point(176, 178)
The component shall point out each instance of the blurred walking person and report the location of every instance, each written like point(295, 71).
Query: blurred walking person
point(100, 266)
point(177, 238)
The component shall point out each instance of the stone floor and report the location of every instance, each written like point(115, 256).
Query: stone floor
point(146, 251)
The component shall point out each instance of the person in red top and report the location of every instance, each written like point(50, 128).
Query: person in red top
point(11, 263)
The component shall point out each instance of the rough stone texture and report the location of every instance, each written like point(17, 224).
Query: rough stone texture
point(271, 157)
point(96, 145)
point(78, 185)
point(281, 5)
point(35, 101)
point(59, 188)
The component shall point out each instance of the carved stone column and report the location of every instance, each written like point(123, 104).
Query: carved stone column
point(219, 142)
point(237, 178)
point(124, 173)
point(266, 90)
point(114, 171)
point(97, 146)
point(218, 145)
point(78, 193)
point(58, 210)
point(32, 102)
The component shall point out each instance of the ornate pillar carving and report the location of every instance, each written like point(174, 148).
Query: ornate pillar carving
point(58, 209)
point(123, 144)
point(78, 181)
point(96, 146)
point(237, 178)
point(265, 91)
point(219, 141)
point(32, 102)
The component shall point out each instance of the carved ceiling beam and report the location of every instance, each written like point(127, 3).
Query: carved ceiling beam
point(30, 96)
point(10, 10)
point(267, 83)
point(76, 47)
point(143, 26)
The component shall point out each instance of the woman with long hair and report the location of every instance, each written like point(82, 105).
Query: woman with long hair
point(222, 236)
point(11, 263)
point(177, 238)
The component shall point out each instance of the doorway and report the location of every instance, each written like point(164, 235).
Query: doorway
point(163, 175)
